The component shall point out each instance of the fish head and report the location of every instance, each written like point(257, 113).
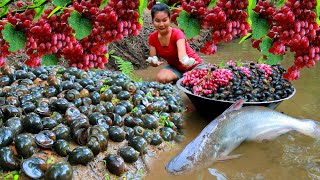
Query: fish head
point(192, 159)
point(182, 163)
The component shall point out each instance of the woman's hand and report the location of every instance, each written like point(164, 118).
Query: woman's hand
point(154, 61)
point(187, 62)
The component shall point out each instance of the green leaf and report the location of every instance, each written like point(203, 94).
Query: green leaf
point(103, 4)
point(173, 6)
point(169, 123)
point(280, 3)
point(35, 1)
point(54, 11)
point(37, 4)
point(4, 11)
point(82, 26)
point(39, 12)
point(8, 177)
point(190, 26)
point(112, 51)
point(265, 45)
point(49, 60)
point(260, 27)
point(16, 39)
point(143, 5)
point(274, 59)
point(250, 7)
point(244, 38)
point(137, 79)
point(107, 55)
point(11, 175)
point(105, 87)
point(271, 58)
point(260, 60)
point(318, 12)
point(61, 3)
point(149, 94)
point(106, 176)
point(222, 65)
point(212, 3)
point(50, 160)
point(239, 63)
point(16, 177)
point(4, 2)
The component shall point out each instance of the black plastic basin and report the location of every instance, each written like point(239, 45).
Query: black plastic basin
point(211, 108)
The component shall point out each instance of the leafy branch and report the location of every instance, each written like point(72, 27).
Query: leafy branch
point(126, 68)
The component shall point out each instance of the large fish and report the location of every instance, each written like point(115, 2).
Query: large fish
point(237, 124)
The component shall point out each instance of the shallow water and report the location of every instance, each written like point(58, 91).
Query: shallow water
point(291, 156)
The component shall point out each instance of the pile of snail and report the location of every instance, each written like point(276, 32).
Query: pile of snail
point(50, 107)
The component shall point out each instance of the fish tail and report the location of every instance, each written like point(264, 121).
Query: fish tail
point(312, 129)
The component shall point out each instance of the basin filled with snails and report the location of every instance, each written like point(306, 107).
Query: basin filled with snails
point(213, 89)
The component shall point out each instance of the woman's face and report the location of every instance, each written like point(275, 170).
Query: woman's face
point(161, 21)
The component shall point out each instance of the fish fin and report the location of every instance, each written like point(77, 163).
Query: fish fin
point(217, 174)
point(229, 157)
point(235, 106)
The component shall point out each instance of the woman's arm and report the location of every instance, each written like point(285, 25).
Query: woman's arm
point(182, 52)
point(153, 51)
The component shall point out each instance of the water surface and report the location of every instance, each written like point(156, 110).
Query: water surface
point(291, 156)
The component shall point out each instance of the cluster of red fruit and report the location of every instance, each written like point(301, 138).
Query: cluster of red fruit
point(54, 35)
point(294, 27)
point(205, 81)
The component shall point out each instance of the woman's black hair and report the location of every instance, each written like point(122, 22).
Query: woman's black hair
point(160, 7)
